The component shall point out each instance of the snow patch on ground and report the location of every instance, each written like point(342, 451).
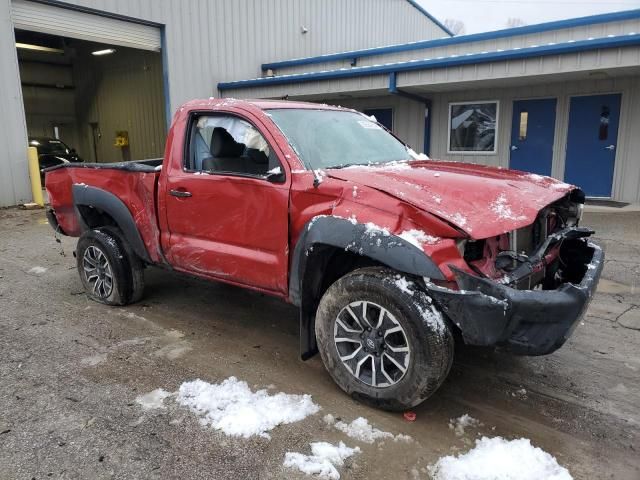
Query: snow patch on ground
point(153, 399)
point(502, 209)
point(37, 270)
point(323, 460)
point(460, 423)
point(500, 459)
point(418, 238)
point(361, 430)
point(232, 407)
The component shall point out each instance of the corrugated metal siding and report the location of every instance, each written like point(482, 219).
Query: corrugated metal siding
point(601, 30)
point(626, 57)
point(14, 179)
point(452, 77)
point(209, 42)
point(212, 41)
point(626, 185)
point(61, 21)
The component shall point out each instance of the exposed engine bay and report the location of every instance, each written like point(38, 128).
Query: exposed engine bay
point(535, 256)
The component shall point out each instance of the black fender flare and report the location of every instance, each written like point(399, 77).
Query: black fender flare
point(387, 249)
point(84, 195)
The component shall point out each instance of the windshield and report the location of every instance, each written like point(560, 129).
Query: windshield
point(49, 146)
point(335, 138)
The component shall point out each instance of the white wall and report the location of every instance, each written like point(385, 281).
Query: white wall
point(212, 41)
point(14, 177)
point(626, 184)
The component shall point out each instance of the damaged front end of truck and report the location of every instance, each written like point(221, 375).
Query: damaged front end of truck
point(526, 290)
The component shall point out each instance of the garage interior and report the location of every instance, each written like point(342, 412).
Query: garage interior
point(105, 101)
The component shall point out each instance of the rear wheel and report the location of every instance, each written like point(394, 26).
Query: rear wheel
point(382, 339)
point(109, 272)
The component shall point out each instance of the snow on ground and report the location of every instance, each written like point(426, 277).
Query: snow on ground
point(418, 238)
point(500, 459)
point(37, 270)
point(153, 399)
point(360, 429)
point(323, 460)
point(460, 423)
point(232, 407)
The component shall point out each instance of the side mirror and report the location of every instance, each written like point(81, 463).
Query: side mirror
point(275, 175)
point(73, 151)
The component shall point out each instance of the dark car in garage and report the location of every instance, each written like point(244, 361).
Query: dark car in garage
point(52, 152)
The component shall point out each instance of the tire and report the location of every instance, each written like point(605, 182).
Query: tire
point(120, 271)
point(422, 346)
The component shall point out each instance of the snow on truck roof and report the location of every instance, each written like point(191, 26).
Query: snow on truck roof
point(261, 104)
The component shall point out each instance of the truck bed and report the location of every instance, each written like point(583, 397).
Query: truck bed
point(134, 184)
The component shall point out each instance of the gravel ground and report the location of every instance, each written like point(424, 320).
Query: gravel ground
point(71, 369)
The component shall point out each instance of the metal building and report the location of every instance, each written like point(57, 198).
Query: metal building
point(559, 98)
point(106, 75)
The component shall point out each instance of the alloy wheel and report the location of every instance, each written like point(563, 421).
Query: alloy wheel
point(371, 344)
point(97, 272)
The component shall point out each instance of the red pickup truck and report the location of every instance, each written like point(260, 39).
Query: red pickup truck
point(387, 254)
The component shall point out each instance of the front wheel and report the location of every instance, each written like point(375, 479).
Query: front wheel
point(382, 339)
point(109, 273)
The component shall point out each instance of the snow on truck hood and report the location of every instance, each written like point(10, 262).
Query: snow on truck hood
point(481, 201)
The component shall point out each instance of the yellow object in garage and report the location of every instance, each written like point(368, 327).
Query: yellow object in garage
point(122, 139)
point(34, 173)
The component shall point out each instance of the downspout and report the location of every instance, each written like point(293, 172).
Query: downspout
point(394, 90)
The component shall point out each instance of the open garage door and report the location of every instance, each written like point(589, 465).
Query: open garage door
point(71, 23)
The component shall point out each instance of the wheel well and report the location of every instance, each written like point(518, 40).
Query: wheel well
point(94, 217)
point(325, 264)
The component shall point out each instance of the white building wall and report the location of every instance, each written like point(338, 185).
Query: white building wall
point(600, 30)
point(626, 183)
point(211, 41)
point(14, 178)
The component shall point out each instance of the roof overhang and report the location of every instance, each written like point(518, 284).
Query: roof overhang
point(535, 51)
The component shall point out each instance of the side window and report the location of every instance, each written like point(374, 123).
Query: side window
point(228, 144)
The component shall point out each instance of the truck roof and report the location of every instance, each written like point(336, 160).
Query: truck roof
point(260, 104)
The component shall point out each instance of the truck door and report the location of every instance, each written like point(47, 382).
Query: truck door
point(227, 216)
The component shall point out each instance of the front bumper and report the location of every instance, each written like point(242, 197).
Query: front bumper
point(524, 322)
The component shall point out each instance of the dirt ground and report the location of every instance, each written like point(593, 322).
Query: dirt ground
point(70, 370)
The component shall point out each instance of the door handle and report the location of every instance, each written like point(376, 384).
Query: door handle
point(610, 147)
point(513, 148)
point(180, 193)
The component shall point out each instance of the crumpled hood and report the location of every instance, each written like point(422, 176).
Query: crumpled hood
point(482, 201)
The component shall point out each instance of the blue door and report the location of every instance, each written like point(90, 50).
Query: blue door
point(384, 116)
point(532, 132)
point(591, 143)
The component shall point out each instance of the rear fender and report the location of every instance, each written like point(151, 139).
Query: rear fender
point(84, 195)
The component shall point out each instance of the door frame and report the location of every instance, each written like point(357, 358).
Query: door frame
point(614, 181)
point(556, 126)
